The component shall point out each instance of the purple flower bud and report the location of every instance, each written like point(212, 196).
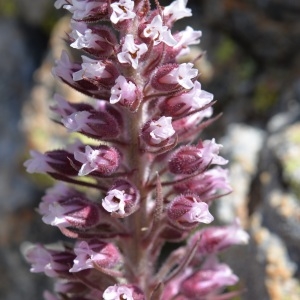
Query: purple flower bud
point(122, 199)
point(102, 159)
point(95, 253)
point(216, 239)
point(209, 280)
point(54, 263)
point(189, 159)
point(186, 101)
point(186, 211)
point(207, 184)
point(187, 127)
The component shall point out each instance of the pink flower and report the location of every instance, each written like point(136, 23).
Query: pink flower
point(95, 253)
point(91, 68)
point(182, 75)
point(92, 123)
point(114, 201)
point(131, 52)
point(122, 10)
point(185, 38)
point(82, 8)
point(186, 211)
point(124, 92)
point(53, 263)
point(159, 33)
point(64, 207)
point(83, 36)
point(103, 159)
point(117, 292)
point(122, 199)
point(37, 163)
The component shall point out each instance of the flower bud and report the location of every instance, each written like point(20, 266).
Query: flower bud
point(102, 160)
point(189, 159)
point(122, 199)
point(216, 239)
point(95, 254)
point(207, 184)
point(187, 127)
point(186, 211)
point(186, 101)
point(212, 277)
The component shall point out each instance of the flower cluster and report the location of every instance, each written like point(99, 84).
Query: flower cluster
point(153, 179)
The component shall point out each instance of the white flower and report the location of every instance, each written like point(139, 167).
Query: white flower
point(181, 75)
point(114, 201)
point(82, 8)
point(194, 98)
point(161, 129)
point(131, 52)
point(60, 3)
point(122, 10)
point(187, 37)
point(85, 257)
point(198, 213)
point(117, 292)
point(159, 33)
point(63, 66)
point(91, 69)
point(83, 36)
point(123, 91)
point(37, 163)
point(177, 10)
point(76, 121)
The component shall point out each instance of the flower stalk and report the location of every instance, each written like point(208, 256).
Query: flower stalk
point(155, 178)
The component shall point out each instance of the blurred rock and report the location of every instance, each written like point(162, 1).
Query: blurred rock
point(242, 145)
